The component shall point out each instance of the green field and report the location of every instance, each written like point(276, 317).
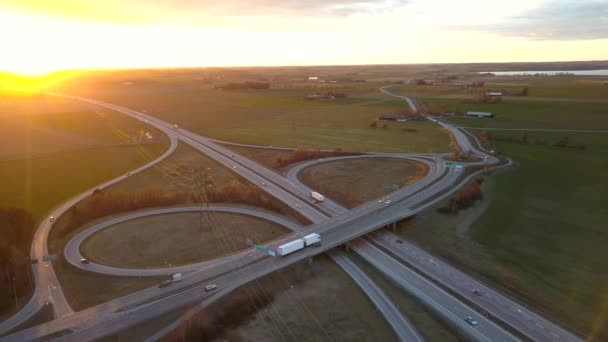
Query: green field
point(42, 183)
point(558, 88)
point(34, 125)
point(278, 116)
point(542, 238)
point(531, 114)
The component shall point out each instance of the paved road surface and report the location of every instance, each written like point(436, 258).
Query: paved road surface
point(48, 287)
point(335, 231)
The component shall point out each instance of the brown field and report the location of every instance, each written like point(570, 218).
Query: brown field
point(353, 182)
point(304, 302)
point(177, 239)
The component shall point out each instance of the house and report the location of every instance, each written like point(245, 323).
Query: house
point(494, 93)
point(480, 114)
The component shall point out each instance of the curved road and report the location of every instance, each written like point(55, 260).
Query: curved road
point(48, 287)
point(335, 231)
point(73, 255)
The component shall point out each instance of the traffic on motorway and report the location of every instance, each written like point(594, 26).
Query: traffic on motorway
point(333, 226)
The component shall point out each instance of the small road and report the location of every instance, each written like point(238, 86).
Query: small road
point(73, 255)
point(48, 288)
point(401, 326)
point(335, 230)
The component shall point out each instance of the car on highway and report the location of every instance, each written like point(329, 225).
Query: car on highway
point(232, 156)
point(234, 166)
point(388, 201)
point(470, 320)
point(175, 126)
point(165, 283)
point(52, 219)
point(85, 261)
point(298, 205)
point(399, 241)
point(210, 287)
point(477, 292)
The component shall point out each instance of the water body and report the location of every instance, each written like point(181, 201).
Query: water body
point(599, 72)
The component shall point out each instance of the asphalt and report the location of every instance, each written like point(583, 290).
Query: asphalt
point(48, 288)
point(105, 319)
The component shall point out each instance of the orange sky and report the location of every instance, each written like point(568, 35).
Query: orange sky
point(41, 35)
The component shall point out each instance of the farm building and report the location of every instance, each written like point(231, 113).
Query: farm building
point(480, 114)
point(394, 117)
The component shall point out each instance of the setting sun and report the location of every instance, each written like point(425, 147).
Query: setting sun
point(48, 37)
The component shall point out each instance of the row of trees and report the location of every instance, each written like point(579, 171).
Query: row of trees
point(102, 203)
point(464, 198)
point(16, 231)
point(299, 155)
point(564, 142)
point(243, 85)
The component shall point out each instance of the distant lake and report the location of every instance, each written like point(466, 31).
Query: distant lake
point(599, 72)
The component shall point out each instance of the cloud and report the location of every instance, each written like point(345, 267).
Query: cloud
point(198, 12)
point(554, 20)
point(256, 7)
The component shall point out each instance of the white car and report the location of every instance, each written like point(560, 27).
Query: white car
point(51, 219)
point(210, 287)
point(470, 320)
point(298, 205)
point(388, 201)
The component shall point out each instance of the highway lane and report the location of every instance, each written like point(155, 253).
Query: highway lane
point(47, 285)
point(73, 255)
point(400, 325)
point(366, 210)
point(370, 224)
point(404, 329)
point(441, 302)
point(503, 308)
point(445, 305)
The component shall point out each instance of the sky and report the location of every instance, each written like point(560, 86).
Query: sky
point(41, 35)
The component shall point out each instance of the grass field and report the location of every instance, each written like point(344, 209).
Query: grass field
point(353, 182)
point(39, 184)
point(177, 239)
point(81, 288)
point(240, 116)
point(542, 238)
point(532, 114)
point(560, 88)
point(304, 302)
point(169, 174)
point(34, 125)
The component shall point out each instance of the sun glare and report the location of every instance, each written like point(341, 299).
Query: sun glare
point(31, 81)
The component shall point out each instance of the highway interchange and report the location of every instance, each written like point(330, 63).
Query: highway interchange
point(430, 279)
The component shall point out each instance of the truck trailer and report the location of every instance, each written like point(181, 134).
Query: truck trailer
point(312, 239)
point(291, 247)
point(317, 196)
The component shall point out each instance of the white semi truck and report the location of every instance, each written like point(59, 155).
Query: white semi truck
point(296, 245)
point(317, 196)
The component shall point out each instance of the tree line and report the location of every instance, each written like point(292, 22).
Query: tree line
point(299, 155)
point(17, 228)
